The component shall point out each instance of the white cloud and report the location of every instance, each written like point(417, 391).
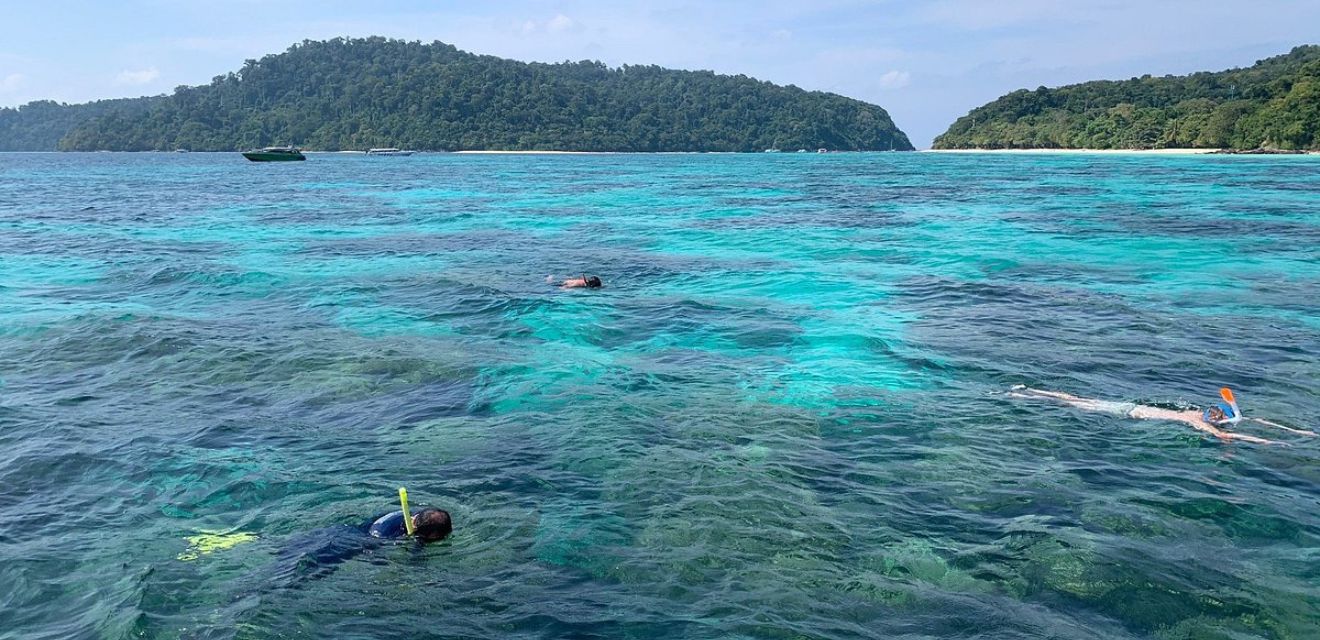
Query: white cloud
point(143, 76)
point(560, 22)
point(895, 79)
point(11, 82)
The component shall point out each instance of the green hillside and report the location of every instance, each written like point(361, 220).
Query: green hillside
point(1272, 104)
point(355, 94)
point(39, 126)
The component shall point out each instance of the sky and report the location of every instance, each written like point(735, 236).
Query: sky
point(927, 62)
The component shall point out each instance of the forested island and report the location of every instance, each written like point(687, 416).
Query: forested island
point(345, 94)
point(39, 126)
point(1274, 104)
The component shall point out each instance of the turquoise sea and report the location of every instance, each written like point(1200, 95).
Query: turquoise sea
point(783, 417)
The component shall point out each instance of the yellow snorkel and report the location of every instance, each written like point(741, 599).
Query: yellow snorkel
point(407, 517)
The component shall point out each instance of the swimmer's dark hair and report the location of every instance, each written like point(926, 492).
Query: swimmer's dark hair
point(593, 282)
point(432, 524)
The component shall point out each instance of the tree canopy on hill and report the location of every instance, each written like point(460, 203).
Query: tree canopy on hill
point(375, 92)
point(38, 126)
point(1274, 103)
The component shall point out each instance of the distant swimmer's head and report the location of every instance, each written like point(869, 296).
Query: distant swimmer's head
point(1220, 415)
point(431, 525)
point(593, 282)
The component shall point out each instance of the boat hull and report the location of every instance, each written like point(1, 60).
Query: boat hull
point(260, 156)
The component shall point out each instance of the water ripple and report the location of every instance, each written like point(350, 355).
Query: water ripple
point(783, 416)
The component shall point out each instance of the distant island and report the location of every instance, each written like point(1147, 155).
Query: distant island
point(346, 94)
point(1274, 104)
point(40, 125)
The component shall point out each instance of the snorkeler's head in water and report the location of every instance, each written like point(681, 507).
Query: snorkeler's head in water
point(588, 282)
point(430, 525)
point(1215, 415)
point(1220, 415)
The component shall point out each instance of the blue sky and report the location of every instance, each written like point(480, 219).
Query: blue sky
point(927, 62)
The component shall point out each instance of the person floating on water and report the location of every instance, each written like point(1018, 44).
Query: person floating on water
point(583, 282)
point(1214, 420)
point(316, 553)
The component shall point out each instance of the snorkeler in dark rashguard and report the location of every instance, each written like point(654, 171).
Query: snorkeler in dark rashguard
point(316, 553)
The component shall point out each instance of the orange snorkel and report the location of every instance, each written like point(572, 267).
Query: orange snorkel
point(1227, 395)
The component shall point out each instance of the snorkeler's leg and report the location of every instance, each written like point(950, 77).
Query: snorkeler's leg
point(1057, 395)
point(1086, 404)
point(314, 554)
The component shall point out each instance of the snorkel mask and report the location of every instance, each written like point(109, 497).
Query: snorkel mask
point(1231, 413)
point(1229, 416)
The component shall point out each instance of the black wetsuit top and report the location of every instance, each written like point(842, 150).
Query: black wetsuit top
point(389, 526)
point(316, 553)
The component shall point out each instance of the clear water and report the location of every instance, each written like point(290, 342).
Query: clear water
point(782, 418)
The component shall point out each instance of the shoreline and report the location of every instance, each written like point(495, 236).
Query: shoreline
point(1152, 152)
point(501, 152)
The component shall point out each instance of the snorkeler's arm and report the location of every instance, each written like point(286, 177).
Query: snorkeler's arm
point(1226, 435)
point(1301, 432)
point(1245, 438)
point(1201, 425)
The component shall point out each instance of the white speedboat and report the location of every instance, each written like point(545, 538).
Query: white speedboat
point(389, 151)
